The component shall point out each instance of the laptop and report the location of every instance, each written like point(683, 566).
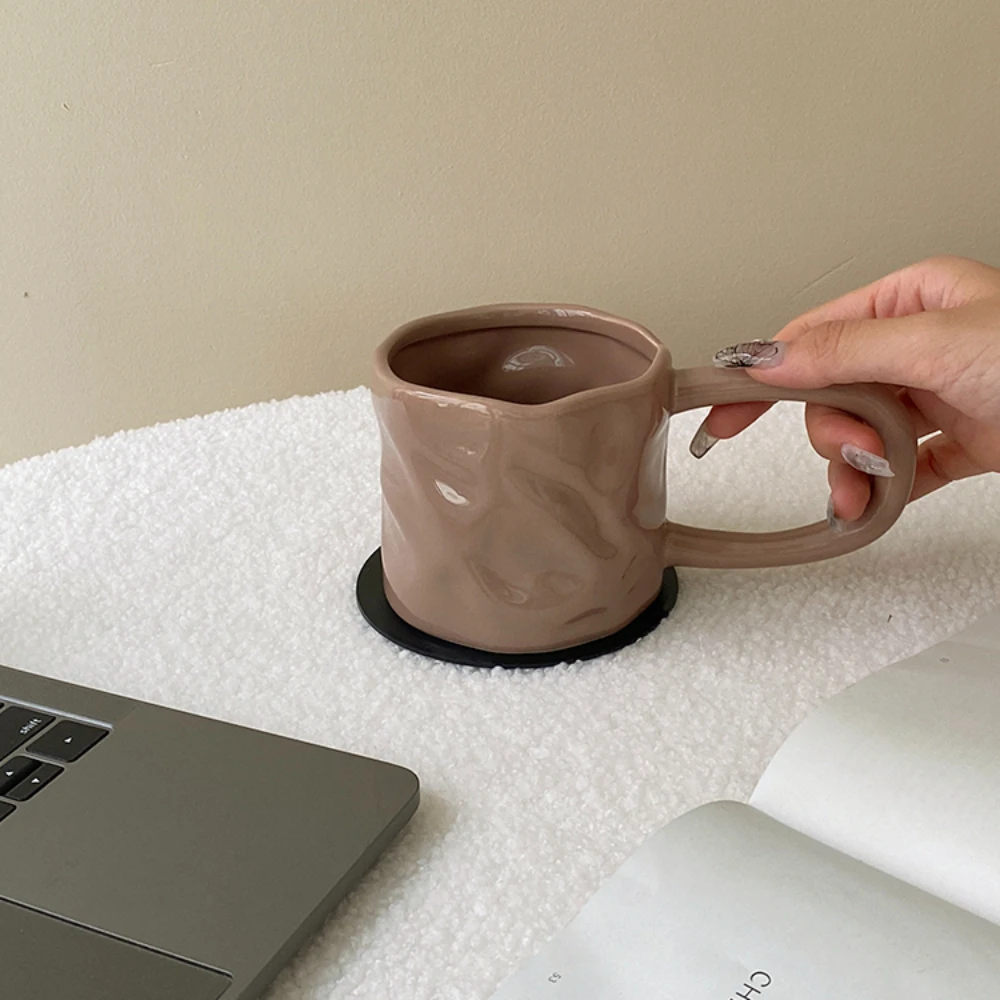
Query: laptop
point(149, 854)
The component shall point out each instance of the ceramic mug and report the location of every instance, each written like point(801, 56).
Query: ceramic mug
point(523, 474)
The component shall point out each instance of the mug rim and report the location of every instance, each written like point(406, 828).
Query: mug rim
point(514, 314)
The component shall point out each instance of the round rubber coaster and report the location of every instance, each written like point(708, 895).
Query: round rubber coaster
point(379, 614)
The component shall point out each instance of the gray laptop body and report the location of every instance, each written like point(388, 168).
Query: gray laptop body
point(148, 854)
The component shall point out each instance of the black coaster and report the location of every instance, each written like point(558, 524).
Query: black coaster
point(379, 614)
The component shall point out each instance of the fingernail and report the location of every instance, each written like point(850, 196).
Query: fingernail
point(751, 354)
point(833, 522)
point(702, 442)
point(865, 461)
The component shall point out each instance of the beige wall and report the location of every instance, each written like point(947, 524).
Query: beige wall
point(204, 204)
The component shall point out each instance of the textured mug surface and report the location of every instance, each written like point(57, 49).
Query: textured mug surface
point(524, 475)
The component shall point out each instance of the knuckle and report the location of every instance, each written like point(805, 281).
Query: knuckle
point(946, 265)
point(943, 262)
point(951, 272)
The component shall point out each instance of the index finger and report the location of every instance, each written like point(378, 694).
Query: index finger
point(859, 304)
point(928, 285)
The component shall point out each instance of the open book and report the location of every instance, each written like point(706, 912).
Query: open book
point(866, 866)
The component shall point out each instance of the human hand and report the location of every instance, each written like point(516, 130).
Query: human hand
point(931, 332)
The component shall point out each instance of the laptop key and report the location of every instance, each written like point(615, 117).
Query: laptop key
point(34, 783)
point(14, 772)
point(67, 741)
point(18, 725)
point(5, 810)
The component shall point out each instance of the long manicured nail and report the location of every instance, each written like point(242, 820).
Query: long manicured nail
point(702, 442)
point(833, 522)
point(751, 354)
point(865, 461)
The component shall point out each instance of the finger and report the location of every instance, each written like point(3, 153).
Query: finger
point(856, 305)
point(830, 429)
point(940, 461)
point(906, 351)
point(725, 421)
point(728, 420)
point(850, 491)
point(935, 283)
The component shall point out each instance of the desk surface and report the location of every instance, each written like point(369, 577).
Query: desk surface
point(209, 565)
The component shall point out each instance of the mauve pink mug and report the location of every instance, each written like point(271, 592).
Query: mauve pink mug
point(524, 479)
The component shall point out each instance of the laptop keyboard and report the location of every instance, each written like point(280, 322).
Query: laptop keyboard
point(34, 747)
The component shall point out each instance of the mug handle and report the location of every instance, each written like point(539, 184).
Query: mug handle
point(685, 545)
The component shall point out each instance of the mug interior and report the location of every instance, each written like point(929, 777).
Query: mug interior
point(522, 364)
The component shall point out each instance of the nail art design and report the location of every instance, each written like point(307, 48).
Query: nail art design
point(702, 442)
point(833, 522)
point(751, 354)
point(865, 461)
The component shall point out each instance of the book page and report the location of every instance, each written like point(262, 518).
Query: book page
point(726, 903)
point(902, 771)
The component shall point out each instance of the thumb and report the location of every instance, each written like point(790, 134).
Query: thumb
point(902, 351)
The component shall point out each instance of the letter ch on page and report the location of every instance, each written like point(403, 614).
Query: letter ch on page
point(753, 987)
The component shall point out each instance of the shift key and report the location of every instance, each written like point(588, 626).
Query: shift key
point(17, 726)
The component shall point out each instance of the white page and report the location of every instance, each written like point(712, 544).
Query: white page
point(984, 633)
point(903, 771)
point(725, 900)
